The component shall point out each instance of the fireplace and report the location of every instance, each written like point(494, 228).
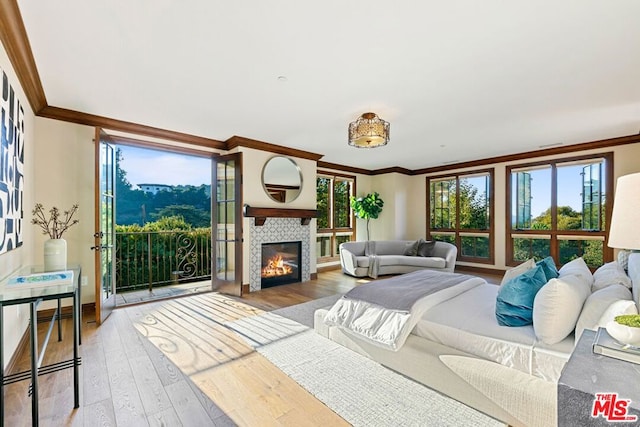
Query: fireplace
point(280, 264)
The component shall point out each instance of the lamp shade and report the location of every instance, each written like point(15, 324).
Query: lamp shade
point(369, 131)
point(624, 232)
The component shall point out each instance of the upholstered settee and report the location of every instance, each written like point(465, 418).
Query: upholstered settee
point(373, 258)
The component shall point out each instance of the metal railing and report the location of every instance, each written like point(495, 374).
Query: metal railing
point(161, 258)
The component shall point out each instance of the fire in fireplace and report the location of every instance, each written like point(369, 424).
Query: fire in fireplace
point(280, 264)
point(276, 267)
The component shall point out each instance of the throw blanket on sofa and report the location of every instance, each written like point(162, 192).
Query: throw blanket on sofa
point(386, 311)
point(374, 263)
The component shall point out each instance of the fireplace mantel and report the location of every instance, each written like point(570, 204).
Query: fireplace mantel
point(261, 214)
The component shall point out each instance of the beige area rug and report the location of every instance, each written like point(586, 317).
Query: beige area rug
point(358, 389)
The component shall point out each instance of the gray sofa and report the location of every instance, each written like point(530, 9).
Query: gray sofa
point(375, 258)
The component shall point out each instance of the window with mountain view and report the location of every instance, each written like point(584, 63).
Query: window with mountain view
point(460, 211)
point(335, 222)
point(559, 209)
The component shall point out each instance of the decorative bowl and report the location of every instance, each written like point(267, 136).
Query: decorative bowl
point(624, 334)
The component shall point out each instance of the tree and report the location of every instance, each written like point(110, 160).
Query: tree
point(473, 207)
point(196, 217)
point(568, 219)
point(322, 202)
point(367, 207)
point(131, 204)
point(341, 200)
point(138, 207)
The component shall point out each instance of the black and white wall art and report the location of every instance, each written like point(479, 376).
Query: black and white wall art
point(11, 167)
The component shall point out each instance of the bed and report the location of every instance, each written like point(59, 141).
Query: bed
point(456, 346)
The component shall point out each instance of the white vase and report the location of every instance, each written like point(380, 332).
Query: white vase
point(55, 255)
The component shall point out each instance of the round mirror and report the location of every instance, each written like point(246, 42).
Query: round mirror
point(282, 179)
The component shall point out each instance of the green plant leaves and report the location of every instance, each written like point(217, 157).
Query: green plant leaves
point(367, 207)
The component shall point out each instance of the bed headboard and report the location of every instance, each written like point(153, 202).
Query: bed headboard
point(634, 273)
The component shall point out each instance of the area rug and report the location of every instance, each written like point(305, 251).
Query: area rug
point(358, 389)
point(303, 313)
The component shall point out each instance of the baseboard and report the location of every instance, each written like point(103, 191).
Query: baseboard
point(246, 288)
point(480, 270)
point(22, 348)
point(314, 276)
point(43, 316)
point(89, 307)
point(328, 268)
point(67, 311)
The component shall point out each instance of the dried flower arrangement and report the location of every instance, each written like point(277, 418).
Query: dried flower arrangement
point(56, 224)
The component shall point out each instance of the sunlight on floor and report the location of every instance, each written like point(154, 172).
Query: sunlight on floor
point(143, 295)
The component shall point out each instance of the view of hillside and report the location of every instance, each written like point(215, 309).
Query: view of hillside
point(137, 206)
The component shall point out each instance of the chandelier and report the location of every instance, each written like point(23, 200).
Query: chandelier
point(369, 131)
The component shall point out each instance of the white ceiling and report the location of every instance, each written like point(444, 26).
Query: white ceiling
point(458, 80)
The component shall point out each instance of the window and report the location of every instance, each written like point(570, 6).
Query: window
point(460, 210)
point(335, 222)
point(558, 208)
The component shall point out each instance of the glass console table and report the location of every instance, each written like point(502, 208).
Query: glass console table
point(23, 294)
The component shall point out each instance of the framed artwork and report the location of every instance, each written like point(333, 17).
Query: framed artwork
point(11, 167)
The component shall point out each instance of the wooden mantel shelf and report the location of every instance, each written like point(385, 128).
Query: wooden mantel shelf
point(261, 214)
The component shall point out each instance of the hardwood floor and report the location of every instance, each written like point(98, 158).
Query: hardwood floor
point(173, 363)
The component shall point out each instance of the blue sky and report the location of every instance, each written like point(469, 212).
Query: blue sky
point(569, 189)
point(160, 167)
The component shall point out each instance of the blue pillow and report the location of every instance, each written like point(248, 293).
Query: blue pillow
point(549, 267)
point(514, 305)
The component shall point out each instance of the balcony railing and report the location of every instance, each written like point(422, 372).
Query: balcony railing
point(160, 258)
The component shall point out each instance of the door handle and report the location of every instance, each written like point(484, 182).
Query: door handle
point(101, 247)
point(98, 235)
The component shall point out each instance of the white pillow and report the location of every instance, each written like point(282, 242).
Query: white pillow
point(577, 267)
point(518, 270)
point(597, 304)
point(557, 307)
point(610, 274)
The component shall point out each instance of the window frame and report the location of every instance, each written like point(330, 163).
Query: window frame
point(555, 235)
point(461, 232)
point(335, 231)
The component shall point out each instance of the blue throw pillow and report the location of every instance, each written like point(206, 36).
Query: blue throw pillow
point(549, 267)
point(514, 305)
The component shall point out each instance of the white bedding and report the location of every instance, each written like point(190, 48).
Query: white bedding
point(468, 323)
point(385, 327)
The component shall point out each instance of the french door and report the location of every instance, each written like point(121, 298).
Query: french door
point(226, 219)
point(104, 241)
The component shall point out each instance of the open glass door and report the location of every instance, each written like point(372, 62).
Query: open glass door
point(105, 226)
point(227, 224)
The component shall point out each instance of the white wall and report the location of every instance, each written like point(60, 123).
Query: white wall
point(64, 174)
point(253, 194)
point(395, 220)
point(16, 318)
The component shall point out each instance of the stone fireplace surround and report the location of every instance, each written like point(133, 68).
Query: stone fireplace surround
point(277, 230)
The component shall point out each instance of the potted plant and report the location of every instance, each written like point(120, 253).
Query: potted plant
point(367, 207)
point(54, 225)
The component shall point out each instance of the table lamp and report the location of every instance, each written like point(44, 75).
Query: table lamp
point(624, 231)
